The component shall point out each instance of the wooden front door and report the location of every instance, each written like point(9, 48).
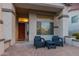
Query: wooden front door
point(21, 31)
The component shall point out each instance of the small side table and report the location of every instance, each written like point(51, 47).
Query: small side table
point(50, 44)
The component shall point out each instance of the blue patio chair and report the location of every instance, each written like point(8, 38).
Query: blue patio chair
point(39, 42)
point(58, 40)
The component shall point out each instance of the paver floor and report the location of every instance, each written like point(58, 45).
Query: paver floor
point(24, 49)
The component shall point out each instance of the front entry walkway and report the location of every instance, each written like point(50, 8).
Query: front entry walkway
point(25, 49)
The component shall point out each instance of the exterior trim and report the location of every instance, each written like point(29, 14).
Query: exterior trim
point(73, 10)
point(75, 40)
point(67, 4)
point(8, 10)
point(1, 22)
point(56, 26)
point(2, 40)
point(7, 41)
point(63, 16)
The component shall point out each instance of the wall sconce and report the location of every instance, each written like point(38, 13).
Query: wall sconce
point(23, 20)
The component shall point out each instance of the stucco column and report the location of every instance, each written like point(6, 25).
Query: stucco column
point(1, 33)
point(9, 22)
point(32, 27)
point(63, 25)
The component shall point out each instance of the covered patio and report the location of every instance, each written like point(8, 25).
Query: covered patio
point(59, 19)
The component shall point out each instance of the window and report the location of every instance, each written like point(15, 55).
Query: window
point(75, 19)
point(45, 28)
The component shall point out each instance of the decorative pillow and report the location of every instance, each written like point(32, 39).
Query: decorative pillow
point(60, 40)
point(42, 40)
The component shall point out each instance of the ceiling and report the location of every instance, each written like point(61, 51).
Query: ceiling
point(25, 8)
